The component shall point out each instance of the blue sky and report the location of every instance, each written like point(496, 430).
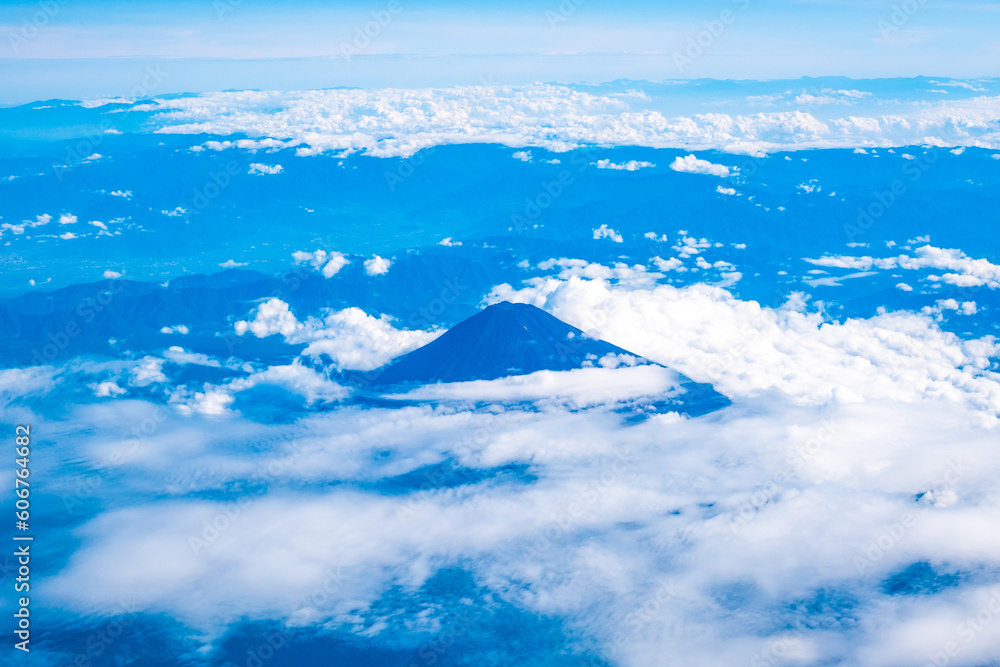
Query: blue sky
point(513, 42)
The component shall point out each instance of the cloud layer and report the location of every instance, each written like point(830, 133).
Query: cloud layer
point(399, 122)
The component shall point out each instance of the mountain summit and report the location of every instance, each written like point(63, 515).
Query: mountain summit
point(501, 340)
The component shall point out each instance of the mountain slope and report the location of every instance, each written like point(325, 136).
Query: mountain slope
point(502, 340)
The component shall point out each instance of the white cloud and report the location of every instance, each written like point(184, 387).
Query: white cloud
point(692, 165)
point(249, 145)
point(98, 224)
point(17, 230)
point(67, 236)
point(110, 275)
point(708, 334)
point(182, 357)
point(230, 264)
point(962, 270)
point(272, 317)
point(175, 213)
point(147, 371)
point(377, 266)
point(329, 263)
point(809, 187)
point(620, 273)
point(125, 194)
point(352, 339)
point(854, 449)
point(523, 156)
point(608, 381)
point(767, 512)
point(399, 122)
point(631, 165)
point(672, 264)
point(260, 169)
point(179, 329)
point(605, 232)
point(107, 389)
point(725, 191)
point(941, 305)
point(67, 219)
point(448, 243)
point(687, 246)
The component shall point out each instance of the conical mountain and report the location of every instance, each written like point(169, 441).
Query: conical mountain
point(502, 340)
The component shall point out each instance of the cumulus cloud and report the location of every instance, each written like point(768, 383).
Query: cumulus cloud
point(779, 522)
point(631, 165)
point(692, 165)
point(725, 191)
point(350, 338)
point(110, 275)
point(961, 270)
point(377, 266)
point(18, 229)
point(272, 317)
point(261, 169)
point(178, 355)
point(605, 232)
point(672, 264)
point(107, 389)
point(67, 219)
point(399, 122)
point(231, 264)
point(328, 263)
point(854, 451)
point(709, 335)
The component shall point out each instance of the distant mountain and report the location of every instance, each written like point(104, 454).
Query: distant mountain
point(502, 340)
point(508, 339)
